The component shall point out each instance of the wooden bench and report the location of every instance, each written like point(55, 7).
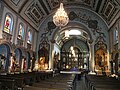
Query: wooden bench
point(95, 82)
point(18, 82)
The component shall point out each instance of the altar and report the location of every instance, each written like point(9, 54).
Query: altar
point(70, 72)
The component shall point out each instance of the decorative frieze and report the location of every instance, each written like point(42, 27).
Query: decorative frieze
point(29, 46)
point(20, 42)
point(7, 36)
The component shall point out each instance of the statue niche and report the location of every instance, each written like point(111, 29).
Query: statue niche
point(101, 60)
point(43, 58)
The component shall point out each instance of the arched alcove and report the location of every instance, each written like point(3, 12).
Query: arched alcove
point(5, 54)
point(28, 60)
point(18, 55)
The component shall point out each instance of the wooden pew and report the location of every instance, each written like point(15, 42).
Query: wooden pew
point(95, 82)
point(18, 82)
point(22, 79)
point(7, 84)
point(58, 82)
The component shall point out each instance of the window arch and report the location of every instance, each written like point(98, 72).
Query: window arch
point(8, 24)
point(29, 36)
point(21, 31)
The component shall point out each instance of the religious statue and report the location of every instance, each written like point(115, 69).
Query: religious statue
point(7, 23)
point(23, 66)
point(20, 32)
point(2, 62)
point(12, 63)
point(17, 66)
point(41, 63)
point(28, 41)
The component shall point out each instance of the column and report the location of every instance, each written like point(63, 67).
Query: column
point(51, 54)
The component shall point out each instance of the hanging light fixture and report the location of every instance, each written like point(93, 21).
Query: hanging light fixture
point(60, 18)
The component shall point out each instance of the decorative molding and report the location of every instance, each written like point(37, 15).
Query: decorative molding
point(34, 13)
point(83, 18)
point(20, 42)
point(53, 3)
point(29, 46)
point(108, 9)
point(100, 43)
point(7, 36)
point(15, 2)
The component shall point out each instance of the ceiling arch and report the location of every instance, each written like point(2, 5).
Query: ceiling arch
point(59, 35)
point(35, 11)
point(38, 13)
point(80, 44)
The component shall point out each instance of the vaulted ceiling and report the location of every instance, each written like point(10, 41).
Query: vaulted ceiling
point(35, 11)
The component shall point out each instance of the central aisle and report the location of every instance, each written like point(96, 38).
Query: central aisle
point(80, 84)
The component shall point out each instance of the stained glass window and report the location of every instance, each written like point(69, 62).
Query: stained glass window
point(21, 31)
point(29, 39)
point(115, 36)
point(8, 24)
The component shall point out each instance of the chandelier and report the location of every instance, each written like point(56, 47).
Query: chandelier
point(60, 18)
